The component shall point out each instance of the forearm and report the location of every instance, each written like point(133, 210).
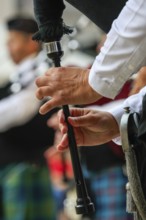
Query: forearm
point(123, 52)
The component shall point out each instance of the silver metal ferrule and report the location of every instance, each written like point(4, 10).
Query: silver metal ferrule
point(53, 47)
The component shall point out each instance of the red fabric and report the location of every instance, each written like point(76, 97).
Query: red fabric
point(122, 95)
point(57, 167)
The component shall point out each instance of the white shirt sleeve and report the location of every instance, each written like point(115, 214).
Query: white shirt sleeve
point(17, 109)
point(124, 51)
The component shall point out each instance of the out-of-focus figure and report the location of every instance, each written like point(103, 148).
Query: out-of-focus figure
point(139, 81)
point(25, 189)
point(61, 172)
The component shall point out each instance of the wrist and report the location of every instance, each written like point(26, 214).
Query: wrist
point(91, 95)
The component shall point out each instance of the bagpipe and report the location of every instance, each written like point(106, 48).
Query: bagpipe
point(101, 12)
point(133, 137)
point(48, 15)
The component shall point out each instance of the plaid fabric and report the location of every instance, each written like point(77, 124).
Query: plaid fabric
point(108, 188)
point(26, 193)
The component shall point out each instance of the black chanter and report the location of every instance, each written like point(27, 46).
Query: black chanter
point(51, 29)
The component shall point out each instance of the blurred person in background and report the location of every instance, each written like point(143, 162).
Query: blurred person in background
point(61, 172)
point(25, 188)
point(139, 81)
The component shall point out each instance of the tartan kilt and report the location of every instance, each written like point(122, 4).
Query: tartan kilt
point(26, 193)
point(109, 190)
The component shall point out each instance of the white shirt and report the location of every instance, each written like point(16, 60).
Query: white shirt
point(20, 107)
point(134, 102)
point(124, 51)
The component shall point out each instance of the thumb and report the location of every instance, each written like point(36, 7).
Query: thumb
point(79, 121)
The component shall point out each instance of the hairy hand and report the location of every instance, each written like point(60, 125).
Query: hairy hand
point(65, 86)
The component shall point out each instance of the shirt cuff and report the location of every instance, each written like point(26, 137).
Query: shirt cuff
point(117, 140)
point(117, 113)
